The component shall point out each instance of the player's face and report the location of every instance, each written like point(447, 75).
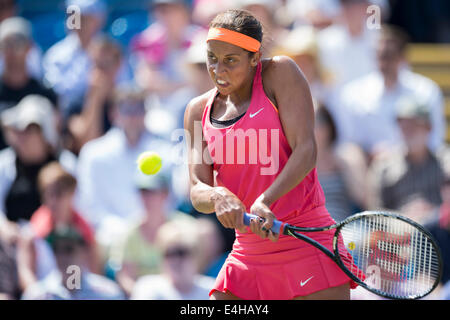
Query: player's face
point(229, 66)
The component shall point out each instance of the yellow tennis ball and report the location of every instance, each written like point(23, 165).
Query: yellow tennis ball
point(149, 162)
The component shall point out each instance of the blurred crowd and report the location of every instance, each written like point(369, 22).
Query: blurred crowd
point(77, 219)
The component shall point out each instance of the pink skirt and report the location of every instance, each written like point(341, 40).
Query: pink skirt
point(259, 269)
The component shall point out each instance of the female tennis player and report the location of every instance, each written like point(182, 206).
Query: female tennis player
point(257, 154)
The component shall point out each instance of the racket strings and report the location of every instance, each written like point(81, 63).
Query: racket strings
point(389, 255)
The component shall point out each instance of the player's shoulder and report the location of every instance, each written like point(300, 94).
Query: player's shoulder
point(196, 106)
point(281, 72)
point(279, 68)
point(278, 65)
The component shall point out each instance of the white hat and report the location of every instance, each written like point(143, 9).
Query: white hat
point(15, 26)
point(196, 53)
point(33, 109)
point(301, 40)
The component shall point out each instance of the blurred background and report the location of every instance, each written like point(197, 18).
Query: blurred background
point(87, 85)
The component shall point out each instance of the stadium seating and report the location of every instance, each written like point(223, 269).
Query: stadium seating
point(433, 61)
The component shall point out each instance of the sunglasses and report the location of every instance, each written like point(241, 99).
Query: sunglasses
point(132, 109)
point(179, 252)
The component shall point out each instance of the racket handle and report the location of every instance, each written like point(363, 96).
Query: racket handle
point(276, 227)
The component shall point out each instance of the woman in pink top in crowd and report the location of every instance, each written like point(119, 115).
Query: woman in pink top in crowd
point(251, 149)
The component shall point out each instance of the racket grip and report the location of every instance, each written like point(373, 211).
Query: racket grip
point(276, 226)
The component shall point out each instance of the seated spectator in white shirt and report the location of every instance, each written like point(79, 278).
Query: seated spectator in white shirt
point(107, 168)
point(73, 279)
point(409, 179)
point(347, 47)
point(316, 13)
point(301, 45)
point(30, 130)
point(67, 63)
point(179, 243)
point(365, 110)
point(90, 119)
point(16, 82)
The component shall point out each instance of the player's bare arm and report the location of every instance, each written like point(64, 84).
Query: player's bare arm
point(206, 197)
point(286, 85)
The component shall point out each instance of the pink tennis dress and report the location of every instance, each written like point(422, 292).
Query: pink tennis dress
point(248, 156)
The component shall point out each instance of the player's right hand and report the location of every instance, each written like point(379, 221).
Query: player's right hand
point(229, 209)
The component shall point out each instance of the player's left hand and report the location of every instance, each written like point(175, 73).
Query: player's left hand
point(262, 228)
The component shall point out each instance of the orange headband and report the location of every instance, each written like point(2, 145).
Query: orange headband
point(233, 37)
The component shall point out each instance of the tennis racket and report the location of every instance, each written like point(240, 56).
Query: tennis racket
point(385, 253)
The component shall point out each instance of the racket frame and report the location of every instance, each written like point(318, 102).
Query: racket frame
point(294, 231)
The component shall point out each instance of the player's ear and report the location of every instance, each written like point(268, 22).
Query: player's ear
point(254, 59)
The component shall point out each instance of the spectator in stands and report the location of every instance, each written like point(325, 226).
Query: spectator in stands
point(203, 11)
point(157, 50)
point(347, 47)
point(67, 63)
point(8, 9)
point(57, 189)
point(265, 11)
point(73, 279)
point(368, 118)
point(179, 280)
point(107, 192)
point(300, 44)
point(341, 169)
point(167, 113)
point(36, 260)
point(9, 279)
point(318, 14)
point(139, 254)
point(30, 130)
point(91, 120)
point(16, 81)
point(409, 179)
point(440, 229)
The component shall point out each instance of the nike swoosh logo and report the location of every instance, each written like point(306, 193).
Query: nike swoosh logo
point(302, 283)
point(254, 114)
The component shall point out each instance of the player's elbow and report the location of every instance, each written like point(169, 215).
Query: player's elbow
point(197, 196)
point(312, 146)
point(308, 155)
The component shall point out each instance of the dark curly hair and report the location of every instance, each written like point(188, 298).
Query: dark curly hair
point(241, 21)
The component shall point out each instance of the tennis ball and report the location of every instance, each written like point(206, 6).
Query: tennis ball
point(149, 162)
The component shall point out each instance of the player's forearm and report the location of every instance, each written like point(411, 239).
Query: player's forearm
point(300, 163)
point(203, 197)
